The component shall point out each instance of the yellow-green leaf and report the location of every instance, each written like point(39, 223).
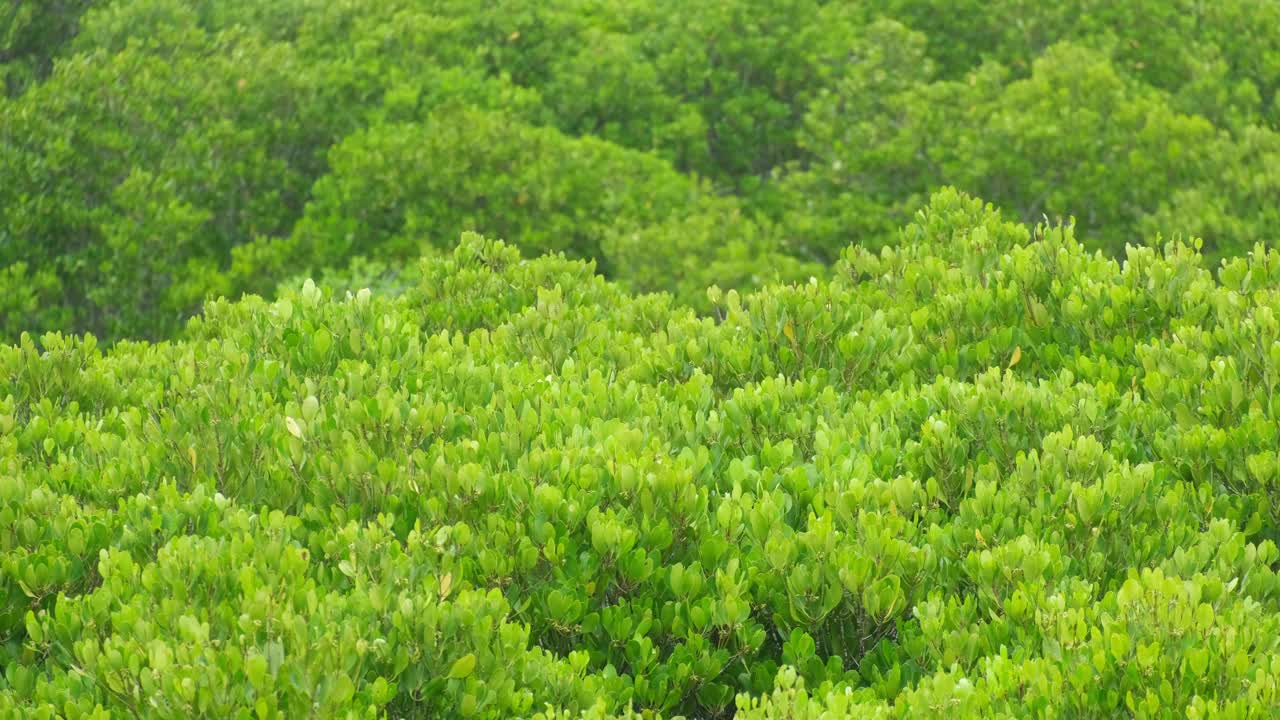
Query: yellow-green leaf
point(463, 666)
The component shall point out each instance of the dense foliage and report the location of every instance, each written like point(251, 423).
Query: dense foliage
point(158, 153)
point(985, 472)
point(732, 401)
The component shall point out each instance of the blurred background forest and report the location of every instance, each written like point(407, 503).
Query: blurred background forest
point(156, 153)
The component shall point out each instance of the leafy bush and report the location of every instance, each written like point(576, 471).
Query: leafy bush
point(133, 175)
point(646, 225)
point(156, 154)
point(1075, 138)
point(747, 407)
point(980, 472)
point(1215, 58)
point(31, 35)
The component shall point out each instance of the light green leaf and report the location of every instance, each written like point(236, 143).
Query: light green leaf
point(463, 667)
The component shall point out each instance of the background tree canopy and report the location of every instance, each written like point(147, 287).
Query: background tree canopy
point(157, 153)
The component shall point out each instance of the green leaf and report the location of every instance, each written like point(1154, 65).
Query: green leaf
point(255, 668)
point(321, 341)
point(1204, 616)
point(463, 667)
point(1119, 645)
point(34, 629)
point(310, 408)
point(1198, 660)
point(341, 691)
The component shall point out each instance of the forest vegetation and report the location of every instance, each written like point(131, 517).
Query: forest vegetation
point(595, 359)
